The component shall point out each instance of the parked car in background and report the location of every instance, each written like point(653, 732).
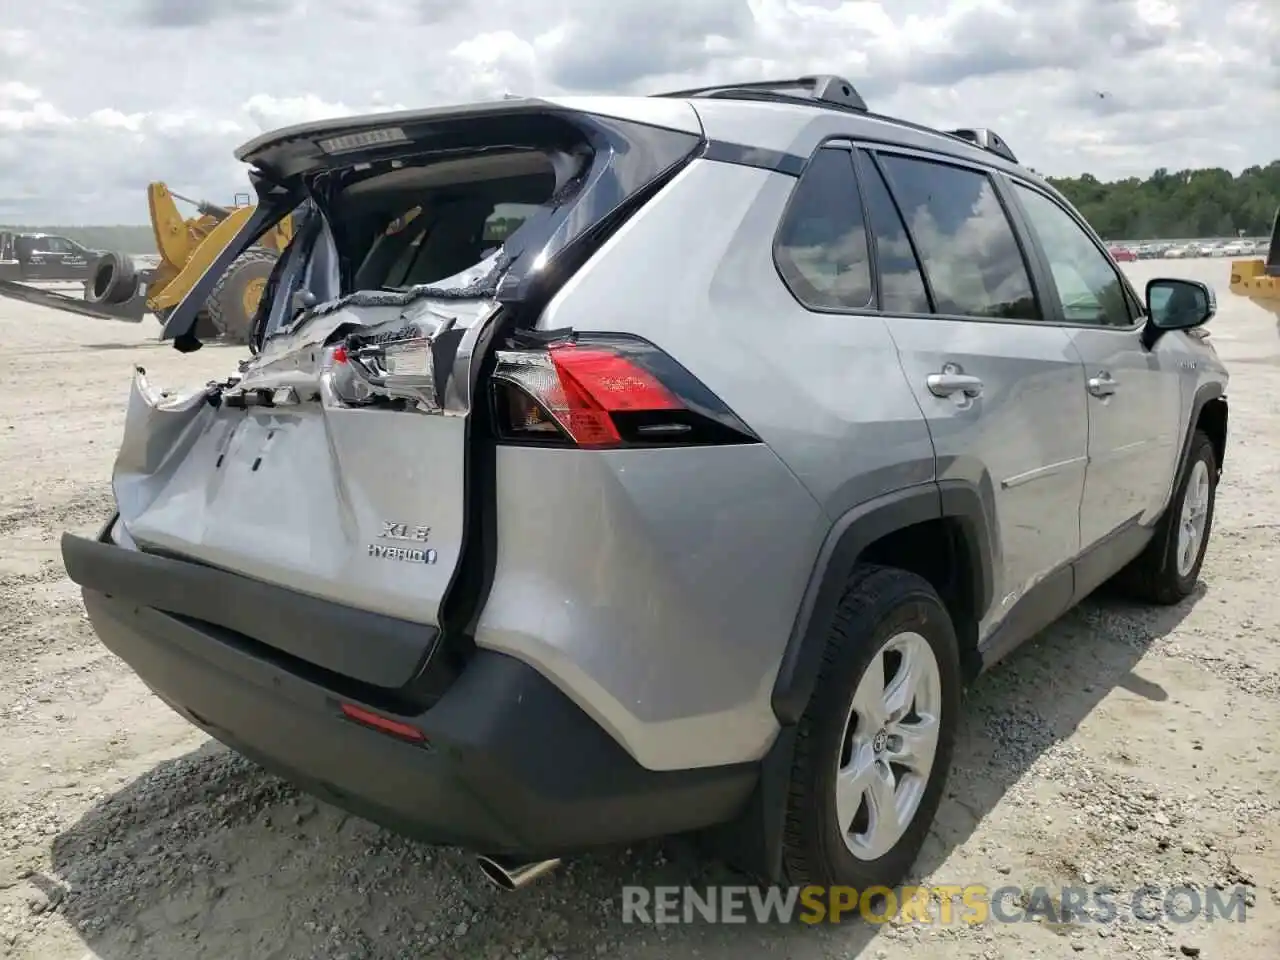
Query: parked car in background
point(1177, 252)
point(1237, 248)
point(1122, 254)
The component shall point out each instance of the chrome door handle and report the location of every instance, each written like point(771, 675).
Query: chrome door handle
point(1102, 385)
point(949, 384)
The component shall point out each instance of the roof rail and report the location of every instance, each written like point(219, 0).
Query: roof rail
point(986, 139)
point(823, 88)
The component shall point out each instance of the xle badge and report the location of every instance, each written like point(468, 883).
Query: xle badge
point(402, 531)
point(391, 530)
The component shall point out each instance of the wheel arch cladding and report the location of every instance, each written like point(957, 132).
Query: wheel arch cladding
point(1208, 413)
point(872, 531)
point(1211, 417)
point(903, 529)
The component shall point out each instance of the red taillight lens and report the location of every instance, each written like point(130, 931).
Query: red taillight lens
point(576, 388)
point(606, 392)
point(611, 381)
point(597, 383)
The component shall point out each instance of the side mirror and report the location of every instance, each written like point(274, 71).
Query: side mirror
point(1174, 304)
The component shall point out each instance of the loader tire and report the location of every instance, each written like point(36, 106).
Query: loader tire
point(234, 299)
point(114, 279)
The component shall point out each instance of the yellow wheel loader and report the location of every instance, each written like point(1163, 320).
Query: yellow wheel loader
point(187, 248)
point(1259, 278)
point(117, 288)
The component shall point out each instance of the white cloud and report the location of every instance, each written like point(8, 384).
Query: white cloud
point(97, 99)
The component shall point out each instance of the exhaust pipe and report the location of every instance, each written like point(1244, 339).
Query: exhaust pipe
point(511, 875)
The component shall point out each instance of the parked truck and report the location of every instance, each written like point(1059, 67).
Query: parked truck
point(44, 257)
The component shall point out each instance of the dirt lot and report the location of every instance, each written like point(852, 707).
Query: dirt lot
point(1125, 746)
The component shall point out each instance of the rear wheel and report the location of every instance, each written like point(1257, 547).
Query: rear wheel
point(874, 745)
point(235, 298)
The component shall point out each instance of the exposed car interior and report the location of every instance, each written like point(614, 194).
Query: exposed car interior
point(422, 224)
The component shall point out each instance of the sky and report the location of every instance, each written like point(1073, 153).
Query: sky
point(99, 97)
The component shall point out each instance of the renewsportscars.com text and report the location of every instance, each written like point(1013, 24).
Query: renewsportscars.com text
point(942, 904)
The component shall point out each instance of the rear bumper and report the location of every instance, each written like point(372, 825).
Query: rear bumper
point(510, 765)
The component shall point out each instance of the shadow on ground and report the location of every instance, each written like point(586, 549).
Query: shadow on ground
point(206, 856)
point(155, 345)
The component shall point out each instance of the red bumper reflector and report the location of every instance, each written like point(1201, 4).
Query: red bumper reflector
point(384, 724)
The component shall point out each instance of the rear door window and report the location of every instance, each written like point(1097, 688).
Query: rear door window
point(821, 249)
point(970, 252)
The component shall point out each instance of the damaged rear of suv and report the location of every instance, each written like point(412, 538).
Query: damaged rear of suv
point(605, 469)
point(302, 552)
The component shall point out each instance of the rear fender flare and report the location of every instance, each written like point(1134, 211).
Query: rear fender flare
point(753, 841)
point(848, 538)
point(1206, 393)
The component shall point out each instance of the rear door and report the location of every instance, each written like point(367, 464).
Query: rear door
point(1134, 394)
point(1001, 387)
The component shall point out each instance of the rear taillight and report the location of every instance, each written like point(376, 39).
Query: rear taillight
point(603, 392)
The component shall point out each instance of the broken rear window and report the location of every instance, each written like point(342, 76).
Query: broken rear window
point(425, 248)
point(420, 225)
point(411, 225)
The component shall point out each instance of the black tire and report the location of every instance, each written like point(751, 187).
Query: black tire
point(114, 279)
point(878, 604)
point(1153, 576)
point(226, 300)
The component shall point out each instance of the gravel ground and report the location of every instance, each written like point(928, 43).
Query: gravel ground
point(1124, 746)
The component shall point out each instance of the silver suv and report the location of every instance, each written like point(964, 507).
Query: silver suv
point(613, 468)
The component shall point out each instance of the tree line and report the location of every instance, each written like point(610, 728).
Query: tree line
point(1178, 205)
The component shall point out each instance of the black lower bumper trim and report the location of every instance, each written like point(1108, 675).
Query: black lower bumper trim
point(367, 647)
point(511, 765)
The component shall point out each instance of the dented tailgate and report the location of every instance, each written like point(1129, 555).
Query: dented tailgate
point(336, 464)
point(293, 477)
